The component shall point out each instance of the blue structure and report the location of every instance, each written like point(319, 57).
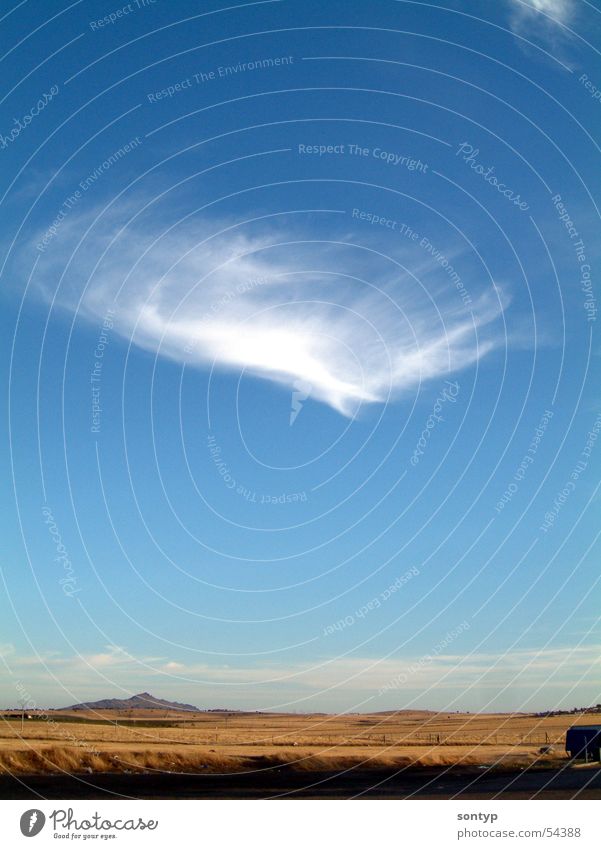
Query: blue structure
point(584, 741)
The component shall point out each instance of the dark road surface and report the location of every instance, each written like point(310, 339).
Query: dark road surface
point(559, 783)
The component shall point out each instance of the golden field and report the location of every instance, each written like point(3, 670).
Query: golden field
point(216, 742)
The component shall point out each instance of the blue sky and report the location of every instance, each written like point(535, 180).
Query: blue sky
point(301, 353)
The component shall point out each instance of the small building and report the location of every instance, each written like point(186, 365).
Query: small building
point(584, 741)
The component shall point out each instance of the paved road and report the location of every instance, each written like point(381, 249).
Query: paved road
point(560, 783)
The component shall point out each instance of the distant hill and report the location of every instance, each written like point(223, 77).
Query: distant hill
point(142, 701)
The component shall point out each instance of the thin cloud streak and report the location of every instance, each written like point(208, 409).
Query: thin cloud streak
point(362, 678)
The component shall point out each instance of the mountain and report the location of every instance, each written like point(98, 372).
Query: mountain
point(142, 701)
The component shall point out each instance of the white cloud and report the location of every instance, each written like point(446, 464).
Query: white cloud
point(566, 675)
point(348, 322)
point(559, 9)
point(542, 18)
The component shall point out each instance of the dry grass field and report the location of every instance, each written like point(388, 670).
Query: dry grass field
point(215, 742)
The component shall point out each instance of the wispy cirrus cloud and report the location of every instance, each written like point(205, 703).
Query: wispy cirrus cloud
point(542, 18)
point(280, 305)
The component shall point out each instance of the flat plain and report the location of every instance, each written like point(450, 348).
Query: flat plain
point(228, 753)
